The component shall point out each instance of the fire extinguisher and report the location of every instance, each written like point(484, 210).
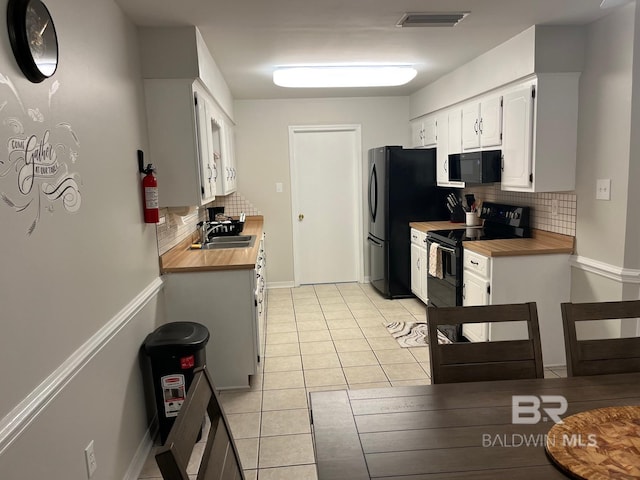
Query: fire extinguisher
point(150, 189)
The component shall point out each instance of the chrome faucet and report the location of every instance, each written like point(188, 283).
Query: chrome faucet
point(207, 229)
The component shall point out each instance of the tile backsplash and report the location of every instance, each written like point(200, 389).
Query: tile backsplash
point(234, 204)
point(542, 217)
point(177, 224)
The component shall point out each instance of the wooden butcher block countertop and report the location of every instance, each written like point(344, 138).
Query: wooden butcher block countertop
point(541, 242)
point(182, 258)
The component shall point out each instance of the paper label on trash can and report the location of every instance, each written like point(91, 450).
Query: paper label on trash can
point(187, 362)
point(173, 388)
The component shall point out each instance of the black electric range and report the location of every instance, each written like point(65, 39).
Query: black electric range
point(500, 222)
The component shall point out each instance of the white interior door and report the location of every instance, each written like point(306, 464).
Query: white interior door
point(326, 200)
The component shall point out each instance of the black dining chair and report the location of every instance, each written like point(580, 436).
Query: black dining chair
point(600, 356)
point(491, 360)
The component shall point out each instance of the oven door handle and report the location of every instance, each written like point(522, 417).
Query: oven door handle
point(442, 247)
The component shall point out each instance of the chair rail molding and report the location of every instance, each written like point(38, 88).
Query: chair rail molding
point(23, 414)
point(612, 272)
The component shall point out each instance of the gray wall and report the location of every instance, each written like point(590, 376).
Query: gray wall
point(65, 282)
point(607, 231)
point(262, 150)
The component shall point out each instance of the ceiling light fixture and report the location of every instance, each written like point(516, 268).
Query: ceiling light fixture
point(332, 76)
point(443, 19)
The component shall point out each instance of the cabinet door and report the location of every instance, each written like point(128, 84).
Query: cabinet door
point(205, 150)
point(423, 272)
point(471, 126)
point(229, 158)
point(491, 122)
point(430, 129)
point(517, 138)
point(417, 133)
point(475, 292)
point(442, 155)
point(416, 286)
point(455, 131)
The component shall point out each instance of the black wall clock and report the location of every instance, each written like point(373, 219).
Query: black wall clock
point(33, 38)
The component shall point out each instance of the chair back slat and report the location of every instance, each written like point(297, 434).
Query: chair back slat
point(475, 372)
point(482, 361)
point(609, 348)
point(220, 458)
point(503, 351)
point(605, 356)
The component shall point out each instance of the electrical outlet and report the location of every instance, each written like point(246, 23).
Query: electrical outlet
point(603, 189)
point(90, 458)
point(279, 187)
point(554, 207)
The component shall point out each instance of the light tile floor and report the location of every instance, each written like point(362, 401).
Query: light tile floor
point(318, 337)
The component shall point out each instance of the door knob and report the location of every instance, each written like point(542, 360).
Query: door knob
point(300, 217)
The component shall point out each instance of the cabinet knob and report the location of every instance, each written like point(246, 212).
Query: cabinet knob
point(300, 217)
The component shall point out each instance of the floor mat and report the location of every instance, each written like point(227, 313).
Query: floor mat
point(412, 334)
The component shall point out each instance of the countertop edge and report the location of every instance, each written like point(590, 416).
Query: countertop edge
point(168, 264)
point(542, 242)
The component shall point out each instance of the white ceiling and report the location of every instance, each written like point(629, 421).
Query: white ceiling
point(248, 38)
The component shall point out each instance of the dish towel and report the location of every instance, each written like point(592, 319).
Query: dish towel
point(435, 261)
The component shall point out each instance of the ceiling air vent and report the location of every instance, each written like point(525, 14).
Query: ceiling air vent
point(448, 19)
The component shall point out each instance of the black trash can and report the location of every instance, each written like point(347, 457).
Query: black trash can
point(175, 350)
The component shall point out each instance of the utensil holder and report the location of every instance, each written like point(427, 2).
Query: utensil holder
point(472, 219)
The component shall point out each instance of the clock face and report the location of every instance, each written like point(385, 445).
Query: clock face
point(33, 38)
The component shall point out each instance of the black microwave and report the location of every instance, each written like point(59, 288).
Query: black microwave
point(476, 167)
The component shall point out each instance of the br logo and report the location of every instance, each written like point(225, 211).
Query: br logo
point(528, 409)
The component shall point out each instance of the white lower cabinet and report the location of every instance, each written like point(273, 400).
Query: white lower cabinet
point(418, 241)
point(475, 292)
point(544, 279)
point(232, 305)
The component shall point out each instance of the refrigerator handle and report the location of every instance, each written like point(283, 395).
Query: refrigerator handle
point(373, 188)
point(375, 242)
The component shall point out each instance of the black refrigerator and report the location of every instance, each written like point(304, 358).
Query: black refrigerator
point(401, 189)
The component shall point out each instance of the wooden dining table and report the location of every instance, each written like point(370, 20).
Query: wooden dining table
point(455, 431)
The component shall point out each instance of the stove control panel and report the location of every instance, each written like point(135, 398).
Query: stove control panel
point(511, 215)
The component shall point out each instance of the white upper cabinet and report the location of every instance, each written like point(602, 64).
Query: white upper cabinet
point(482, 123)
point(424, 132)
point(540, 133)
point(444, 145)
point(228, 174)
point(454, 120)
point(430, 126)
point(179, 145)
point(518, 131)
point(206, 147)
point(219, 129)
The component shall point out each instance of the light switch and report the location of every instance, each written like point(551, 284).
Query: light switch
point(603, 189)
point(279, 187)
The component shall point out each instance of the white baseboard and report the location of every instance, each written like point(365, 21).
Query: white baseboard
point(612, 272)
point(23, 414)
point(271, 285)
point(142, 452)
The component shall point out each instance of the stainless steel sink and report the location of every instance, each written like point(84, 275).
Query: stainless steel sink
point(232, 239)
point(236, 241)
